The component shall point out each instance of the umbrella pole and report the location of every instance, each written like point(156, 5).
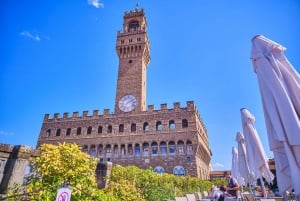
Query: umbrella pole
point(263, 187)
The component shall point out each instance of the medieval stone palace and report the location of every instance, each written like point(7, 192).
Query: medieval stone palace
point(172, 139)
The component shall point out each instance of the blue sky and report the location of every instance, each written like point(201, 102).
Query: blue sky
point(59, 56)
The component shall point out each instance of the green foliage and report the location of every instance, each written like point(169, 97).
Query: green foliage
point(67, 163)
point(156, 187)
point(124, 190)
point(59, 164)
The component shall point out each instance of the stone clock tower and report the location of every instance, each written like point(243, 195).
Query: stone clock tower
point(133, 49)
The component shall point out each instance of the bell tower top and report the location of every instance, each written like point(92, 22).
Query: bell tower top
point(135, 20)
point(133, 49)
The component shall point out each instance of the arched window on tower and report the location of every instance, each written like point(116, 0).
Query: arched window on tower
point(146, 126)
point(172, 124)
point(133, 25)
point(48, 133)
point(58, 132)
point(68, 132)
point(185, 123)
point(89, 130)
point(78, 131)
point(159, 126)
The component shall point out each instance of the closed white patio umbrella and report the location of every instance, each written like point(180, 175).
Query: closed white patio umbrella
point(243, 166)
point(279, 85)
point(258, 161)
point(235, 172)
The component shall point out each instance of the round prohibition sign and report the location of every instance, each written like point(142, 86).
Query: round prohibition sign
point(63, 196)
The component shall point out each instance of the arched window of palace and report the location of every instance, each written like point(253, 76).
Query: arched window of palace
point(146, 126)
point(145, 149)
point(48, 133)
point(163, 148)
point(85, 149)
point(100, 150)
point(172, 147)
point(130, 149)
point(78, 131)
point(121, 128)
point(172, 124)
point(133, 127)
point(89, 130)
point(100, 129)
point(109, 129)
point(108, 150)
point(116, 150)
point(137, 150)
point(180, 146)
point(93, 151)
point(154, 148)
point(123, 150)
point(179, 170)
point(185, 123)
point(58, 132)
point(189, 147)
point(68, 132)
point(159, 126)
point(159, 169)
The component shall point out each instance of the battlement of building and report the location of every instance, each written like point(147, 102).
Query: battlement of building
point(190, 106)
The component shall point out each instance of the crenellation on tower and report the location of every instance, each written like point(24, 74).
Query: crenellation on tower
point(85, 113)
point(46, 116)
point(75, 115)
point(95, 113)
point(56, 116)
point(66, 115)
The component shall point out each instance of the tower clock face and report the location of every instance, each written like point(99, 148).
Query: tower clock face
point(127, 103)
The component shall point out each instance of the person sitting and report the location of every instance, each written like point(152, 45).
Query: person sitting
point(232, 185)
point(220, 194)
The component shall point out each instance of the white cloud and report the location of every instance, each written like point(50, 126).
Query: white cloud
point(29, 35)
point(96, 3)
point(6, 133)
point(218, 166)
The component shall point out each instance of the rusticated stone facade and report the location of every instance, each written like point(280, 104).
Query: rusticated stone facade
point(172, 140)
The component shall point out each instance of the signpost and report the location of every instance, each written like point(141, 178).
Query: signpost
point(63, 194)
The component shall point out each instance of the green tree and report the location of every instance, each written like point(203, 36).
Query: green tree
point(59, 164)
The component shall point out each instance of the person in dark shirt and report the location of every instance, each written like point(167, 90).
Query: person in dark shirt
point(232, 185)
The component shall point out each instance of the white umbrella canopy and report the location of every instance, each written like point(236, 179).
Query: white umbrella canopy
point(279, 85)
point(235, 172)
point(258, 161)
point(243, 166)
